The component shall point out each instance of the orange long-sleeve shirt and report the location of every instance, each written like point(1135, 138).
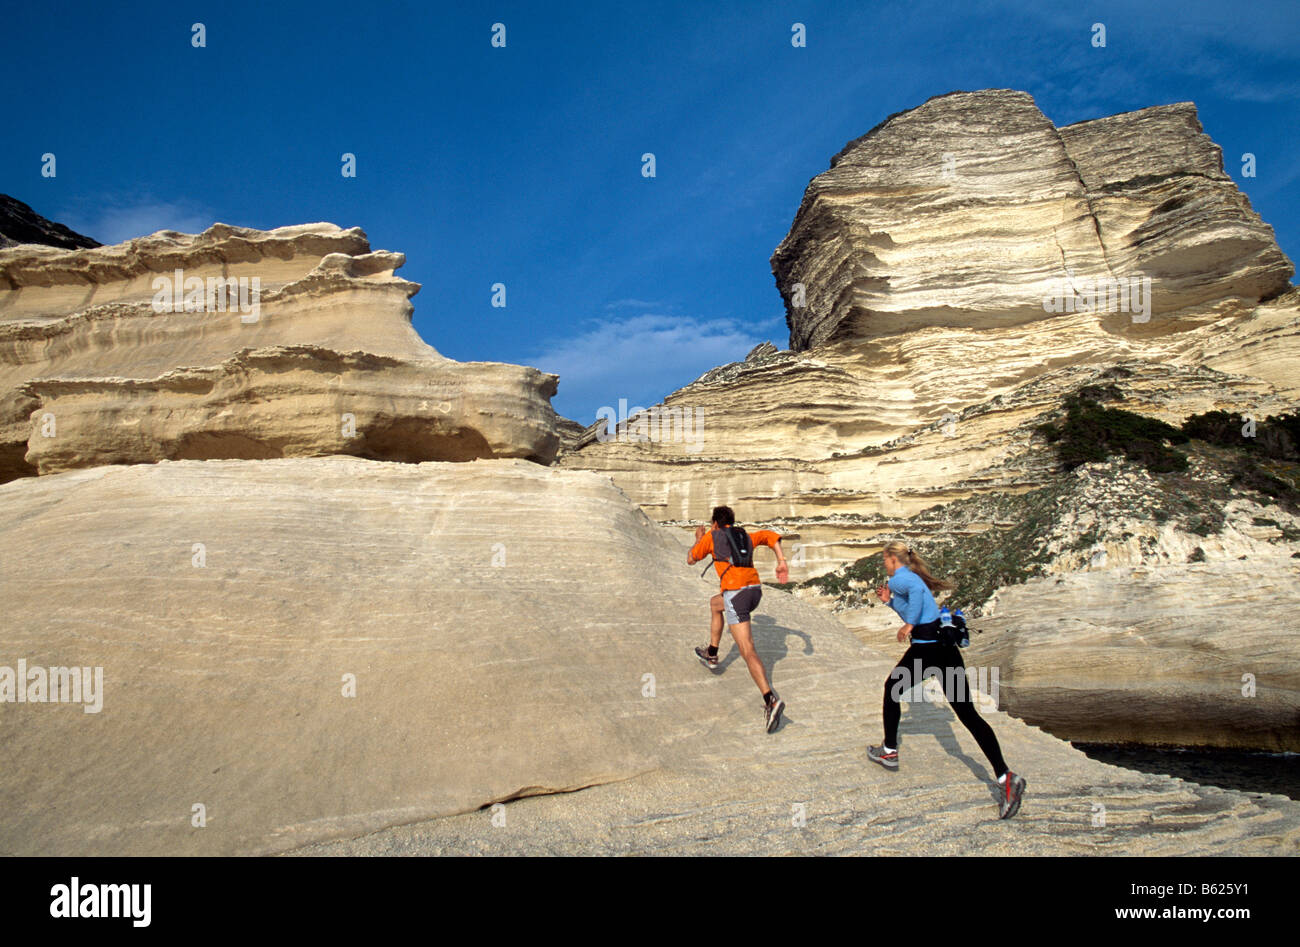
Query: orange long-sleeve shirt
point(735, 577)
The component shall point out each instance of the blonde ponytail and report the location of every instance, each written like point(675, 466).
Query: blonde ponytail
point(908, 557)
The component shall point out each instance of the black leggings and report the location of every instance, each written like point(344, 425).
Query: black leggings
point(946, 662)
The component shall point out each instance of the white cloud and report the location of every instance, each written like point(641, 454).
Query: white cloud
point(634, 304)
point(644, 358)
point(117, 221)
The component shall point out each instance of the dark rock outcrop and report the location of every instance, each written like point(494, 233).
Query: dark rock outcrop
point(20, 224)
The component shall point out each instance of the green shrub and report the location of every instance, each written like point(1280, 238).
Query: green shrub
point(1090, 432)
point(1276, 437)
point(1250, 476)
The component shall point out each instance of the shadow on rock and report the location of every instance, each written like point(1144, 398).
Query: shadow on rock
point(938, 720)
point(769, 641)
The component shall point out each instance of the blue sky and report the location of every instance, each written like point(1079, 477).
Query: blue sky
point(522, 165)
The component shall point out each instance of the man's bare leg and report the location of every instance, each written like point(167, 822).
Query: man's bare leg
point(745, 642)
point(715, 621)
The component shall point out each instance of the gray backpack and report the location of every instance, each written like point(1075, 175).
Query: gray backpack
point(731, 545)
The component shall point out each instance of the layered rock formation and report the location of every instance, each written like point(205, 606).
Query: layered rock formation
point(972, 208)
point(509, 631)
point(1184, 655)
point(925, 278)
point(923, 360)
point(313, 353)
point(838, 446)
point(312, 648)
point(1119, 606)
point(1179, 655)
point(1164, 208)
point(20, 224)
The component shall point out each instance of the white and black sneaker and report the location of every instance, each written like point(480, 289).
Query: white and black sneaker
point(772, 713)
point(710, 661)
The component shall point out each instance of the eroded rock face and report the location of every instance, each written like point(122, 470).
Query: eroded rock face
point(1119, 605)
point(924, 353)
point(498, 616)
point(317, 356)
point(972, 208)
point(1165, 208)
point(924, 361)
point(838, 447)
point(1182, 655)
point(510, 630)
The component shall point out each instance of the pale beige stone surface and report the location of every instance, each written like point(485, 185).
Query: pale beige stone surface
point(501, 618)
point(924, 357)
point(83, 349)
point(1186, 655)
point(478, 683)
point(1160, 655)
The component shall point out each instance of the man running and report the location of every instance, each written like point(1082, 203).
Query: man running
point(741, 592)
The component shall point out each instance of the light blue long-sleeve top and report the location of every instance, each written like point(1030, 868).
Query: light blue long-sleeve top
point(911, 597)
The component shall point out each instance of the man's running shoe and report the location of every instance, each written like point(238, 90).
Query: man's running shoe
point(1012, 789)
point(772, 713)
point(709, 661)
point(877, 754)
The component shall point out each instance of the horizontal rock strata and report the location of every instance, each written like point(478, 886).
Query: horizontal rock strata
point(1186, 655)
point(91, 372)
point(972, 208)
point(842, 445)
point(920, 278)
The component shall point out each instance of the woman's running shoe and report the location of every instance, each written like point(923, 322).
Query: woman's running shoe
point(877, 754)
point(1013, 787)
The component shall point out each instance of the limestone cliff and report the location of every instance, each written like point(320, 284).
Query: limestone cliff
point(241, 343)
point(925, 254)
point(926, 351)
point(970, 209)
point(331, 653)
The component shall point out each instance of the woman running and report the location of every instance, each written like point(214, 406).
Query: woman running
point(910, 592)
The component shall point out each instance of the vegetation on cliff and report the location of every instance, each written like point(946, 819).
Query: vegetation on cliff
point(1121, 482)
